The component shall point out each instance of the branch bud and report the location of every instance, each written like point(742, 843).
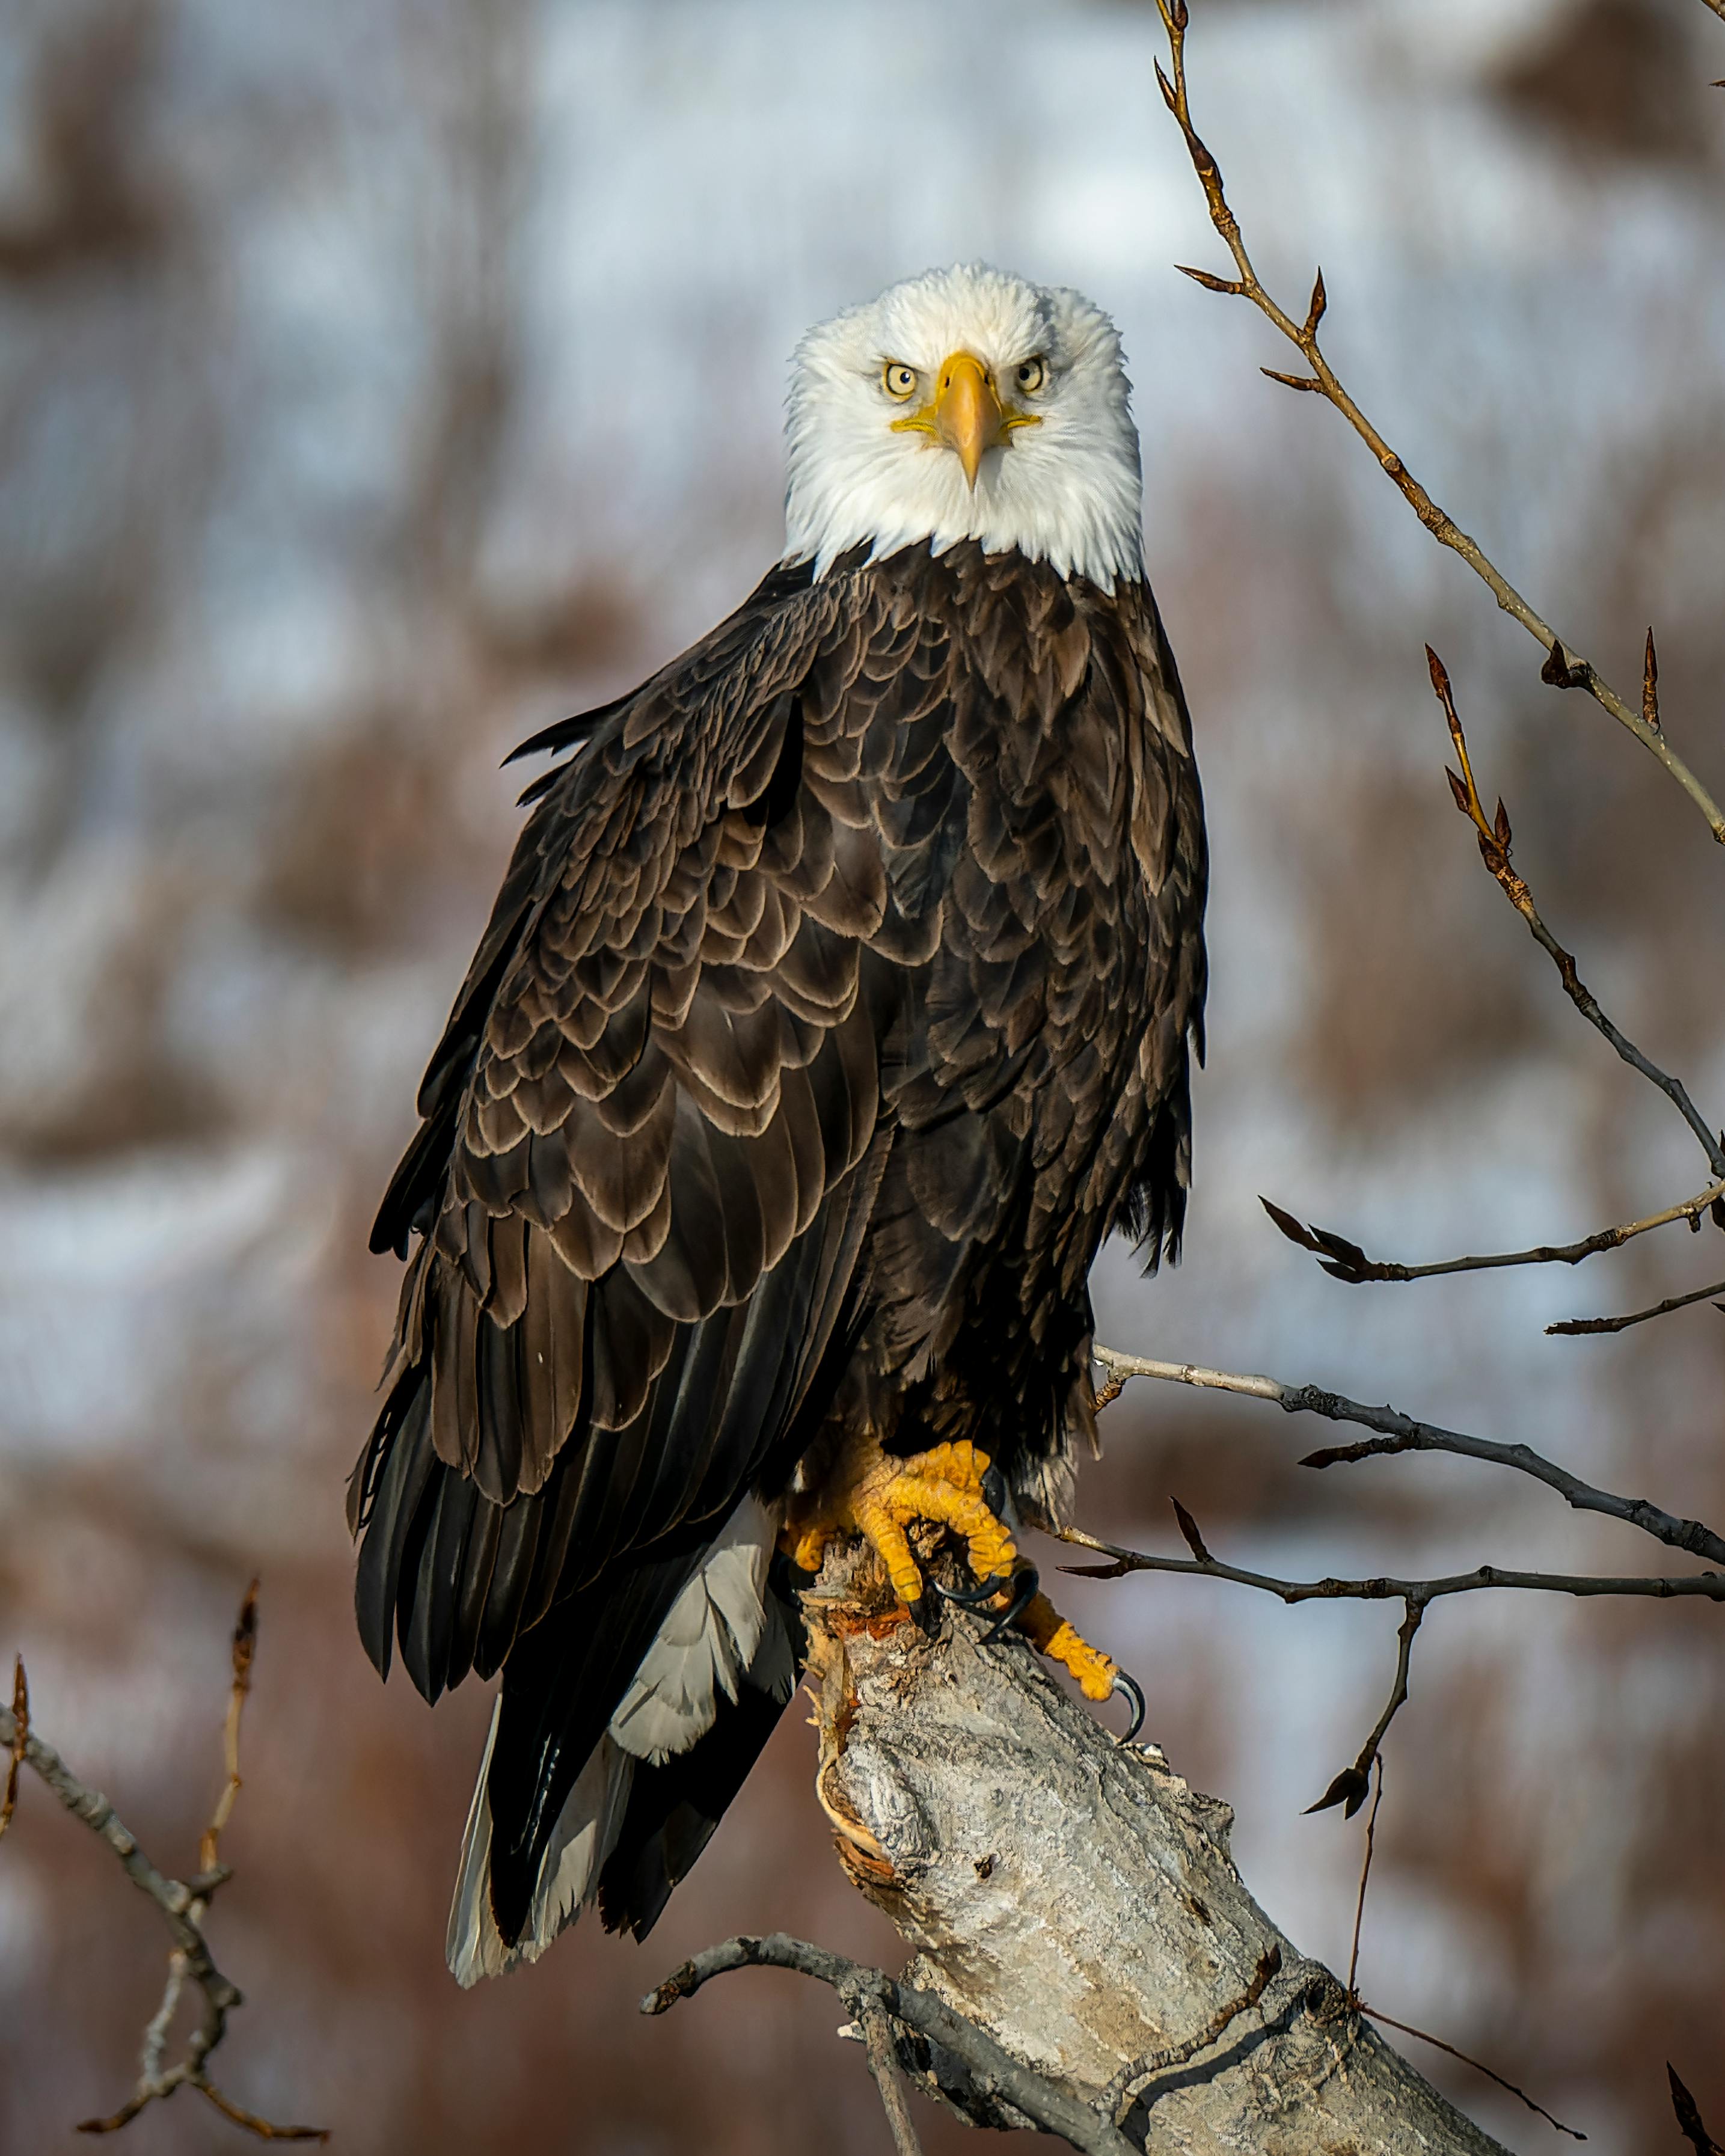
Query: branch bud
point(1210, 283)
point(1315, 313)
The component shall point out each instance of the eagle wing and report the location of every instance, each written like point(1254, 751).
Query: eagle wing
point(637, 1181)
point(649, 1152)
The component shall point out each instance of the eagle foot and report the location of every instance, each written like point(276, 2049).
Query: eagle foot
point(954, 1486)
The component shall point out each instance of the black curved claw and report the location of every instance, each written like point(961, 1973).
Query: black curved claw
point(972, 1598)
point(1025, 1587)
point(1128, 1689)
point(994, 1492)
point(926, 1610)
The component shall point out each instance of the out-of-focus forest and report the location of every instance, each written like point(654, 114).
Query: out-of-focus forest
point(379, 383)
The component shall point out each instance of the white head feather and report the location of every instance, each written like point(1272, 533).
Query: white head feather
point(1066, 490)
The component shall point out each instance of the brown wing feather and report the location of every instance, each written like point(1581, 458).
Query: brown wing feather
point(655, 1091)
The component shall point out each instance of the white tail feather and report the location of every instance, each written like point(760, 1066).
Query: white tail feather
point(704, 1646)
point(584, 1837)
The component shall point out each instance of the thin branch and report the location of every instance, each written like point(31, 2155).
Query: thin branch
point(1348, 1789)
point(995, 2071)
point(1344, 1261)
point(1494, 836)
point(1365, 1878)
point(1562, 668)
point(883, 2065)
point(182, 1903)
point(1707, 1586)
point(1350, 1786)
point(1374, 2013)
point(1401, 1433)
point(151, 2075)
point(244, 1650)
point(1437, 2043)
point(1573, 1326)
point(1129, 2084)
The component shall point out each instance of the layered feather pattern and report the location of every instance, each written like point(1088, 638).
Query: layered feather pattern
point(836, 1004)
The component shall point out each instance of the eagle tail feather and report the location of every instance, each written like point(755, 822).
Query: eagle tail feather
point(720, 1662)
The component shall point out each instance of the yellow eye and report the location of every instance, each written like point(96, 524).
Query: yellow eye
point(898, 380)
point(1030, 375)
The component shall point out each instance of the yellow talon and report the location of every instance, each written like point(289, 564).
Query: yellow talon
point(879, 1498)
point(1052, 1634)
point(808, 1550)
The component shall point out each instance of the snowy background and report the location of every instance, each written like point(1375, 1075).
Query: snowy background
point(378, 382)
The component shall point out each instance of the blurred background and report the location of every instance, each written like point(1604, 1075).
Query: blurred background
point(379, 383)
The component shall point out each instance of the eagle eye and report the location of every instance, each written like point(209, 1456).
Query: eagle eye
point(1031, 374)
point(898, 380)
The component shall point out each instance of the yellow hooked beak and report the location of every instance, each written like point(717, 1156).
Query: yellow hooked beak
point(968, 417)
point(966, 414)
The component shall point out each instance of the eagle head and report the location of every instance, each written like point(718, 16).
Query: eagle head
point(966, 403)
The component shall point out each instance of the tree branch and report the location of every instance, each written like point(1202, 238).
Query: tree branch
point(883, 2065)
point(1708, 1586)
point(1074, 1902)
point(1494, 842)
point(994, 2071)
point(1401, 1433)
point(182, 1903)
point(1344, 1261)
point(1573, 1326)
point(1349, 1787)
point(1561, 668)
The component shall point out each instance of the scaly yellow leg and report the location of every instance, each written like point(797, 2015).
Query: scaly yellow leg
point(1052, 1634)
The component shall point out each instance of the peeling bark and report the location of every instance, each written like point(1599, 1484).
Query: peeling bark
point(1077, 1901)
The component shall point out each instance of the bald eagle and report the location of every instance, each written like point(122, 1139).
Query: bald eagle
point(836, 1005)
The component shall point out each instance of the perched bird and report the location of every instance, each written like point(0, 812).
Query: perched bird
point(835, 1007)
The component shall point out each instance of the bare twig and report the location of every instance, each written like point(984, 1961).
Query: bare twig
point(1494, 841)
point(1344, 1261)
point(1130, 2083)
point(994, 2071)
point(1350, 1786)
point(1561, 669)
point(1365, 1878)
point(883, 2065)
point(20, 1739)
point(244, 1650)
point(1375, 2014)
point(1573, 1326)
point(1401, 1433)
point(182, 1903)
point(152, 2077)
point(1707, 1586)
point(1437, 2043)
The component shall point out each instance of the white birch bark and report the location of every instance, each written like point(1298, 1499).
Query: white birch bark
point(1078, 1901)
